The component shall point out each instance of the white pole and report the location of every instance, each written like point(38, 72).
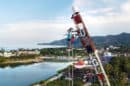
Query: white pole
point(101, 84)
point(102, 69)
point(72, 67)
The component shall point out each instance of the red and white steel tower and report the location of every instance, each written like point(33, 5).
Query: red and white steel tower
point(89, 47)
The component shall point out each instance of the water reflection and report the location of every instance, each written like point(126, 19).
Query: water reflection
point(28, 74)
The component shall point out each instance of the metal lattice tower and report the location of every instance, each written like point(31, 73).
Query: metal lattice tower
point(90, 47)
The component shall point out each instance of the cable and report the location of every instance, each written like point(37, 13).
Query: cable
point(72, 68)
point(69, 54)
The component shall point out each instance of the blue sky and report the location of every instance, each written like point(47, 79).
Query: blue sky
point(20, 10)
point(25, 22)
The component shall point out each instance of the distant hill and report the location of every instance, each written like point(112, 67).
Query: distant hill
point(122, 39)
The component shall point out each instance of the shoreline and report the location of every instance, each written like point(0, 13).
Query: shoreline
point(36, 72)
point(59, 79)
point(50, 79)
point(15, 63)
point(18, 61)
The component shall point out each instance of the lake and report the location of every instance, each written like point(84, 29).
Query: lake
point(27, 74)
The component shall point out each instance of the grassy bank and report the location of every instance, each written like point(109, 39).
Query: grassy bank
point(118, 71)
point(56, 60)
point(19, 60)
point(60, 82)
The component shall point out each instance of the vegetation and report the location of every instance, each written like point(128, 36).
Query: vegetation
point(21, 57)
point(122, 39)
point(118, 71)
point(63, 82)
point(60, 52)
point(121, 49)
point(53, 51)
point(17, 60)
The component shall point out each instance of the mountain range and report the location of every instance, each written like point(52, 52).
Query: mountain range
point(122, 39)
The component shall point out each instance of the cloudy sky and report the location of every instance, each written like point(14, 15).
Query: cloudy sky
point(25, 22)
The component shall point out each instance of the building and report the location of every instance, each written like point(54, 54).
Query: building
point(28, 52)
point(8, 54)
point(107, 56)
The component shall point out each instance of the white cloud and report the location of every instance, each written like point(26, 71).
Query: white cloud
point(106, 20)
point(126, 8)
point(80, 3)
point(33, 32)
point(101, 10)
